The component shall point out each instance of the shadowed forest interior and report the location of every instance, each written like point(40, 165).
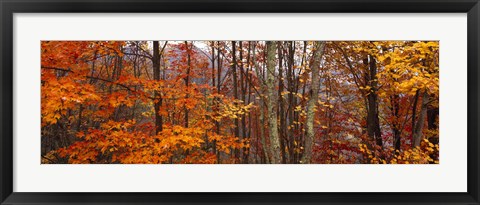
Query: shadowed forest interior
point(240, 102)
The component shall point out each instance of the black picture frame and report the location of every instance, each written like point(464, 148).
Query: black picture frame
point(9, 7)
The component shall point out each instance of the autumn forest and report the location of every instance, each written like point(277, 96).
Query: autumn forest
point(240, 102)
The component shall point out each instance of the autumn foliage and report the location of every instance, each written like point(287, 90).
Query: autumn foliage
point(253, 102)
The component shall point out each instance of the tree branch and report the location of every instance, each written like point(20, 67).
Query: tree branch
point(97, 78)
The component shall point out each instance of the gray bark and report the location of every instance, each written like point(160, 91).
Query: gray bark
point(310, 132)
point(271, 102)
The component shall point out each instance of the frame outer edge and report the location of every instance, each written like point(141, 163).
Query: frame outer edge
point(6, 101)
point(473, 26)
point(2, 174)
point(6, 98)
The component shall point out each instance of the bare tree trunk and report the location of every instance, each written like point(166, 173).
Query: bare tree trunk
point(417, 134)
point(315, 86)
point(291, 101)
point(395, 125)
point(243, 90)
point(217, 101)
point(262, 102)
point(235, 92)
point(156, 76)
point(214, 148)
point(281, 103)
point(300, 126)
point(261, 118)
point(213, 63)
point(248, 79)
point(373, 122)
point(414, 114)
point(271, 102)
point(187, 80)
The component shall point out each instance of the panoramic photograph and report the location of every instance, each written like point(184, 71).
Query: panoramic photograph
point(240, 102)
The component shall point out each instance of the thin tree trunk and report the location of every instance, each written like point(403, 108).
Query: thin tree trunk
point(235, 92)
point(395, 125)
point(281, 103)
point(214, 144)
point(219, 85)
point(414, 114)
point(243, 90)
point(187, 80)
point(291, 102)
point(417, 135)
point(213, 63)
point(157, 95)
point(266, 151)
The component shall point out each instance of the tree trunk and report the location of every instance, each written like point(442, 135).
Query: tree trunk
point(395, 125)
point(281, 104)
point(217, 101)
point(271, 102)
point(262, 102)
point(373, 122)
point(187, 80)
point(414, 114)
point(243, 153)
point(156, 76)
point(291, 102)
point(417, 134)
point(315, 86)
point(235, 92)
point(214, 148)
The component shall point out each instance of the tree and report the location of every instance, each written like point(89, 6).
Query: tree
point(311, 108)
point(271, 103)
